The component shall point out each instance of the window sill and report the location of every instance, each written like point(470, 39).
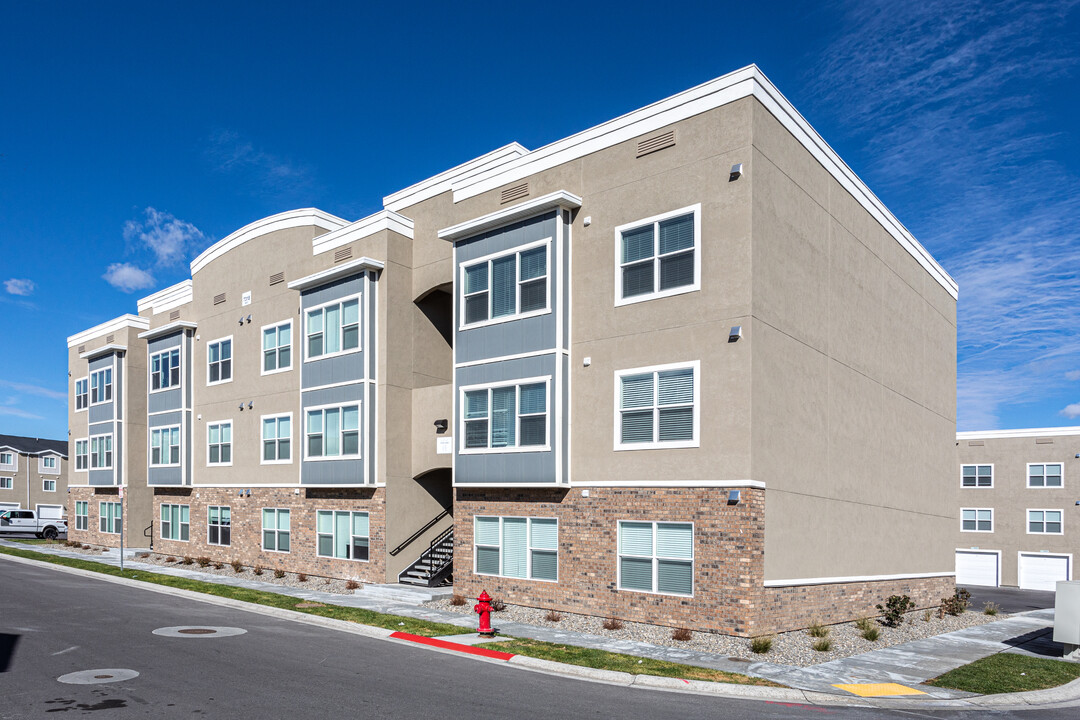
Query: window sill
point(280, 370)
point(326, 356)
point(674, 445)
point(275, 462)
point(501, 320)
point(504, 451)
point(619, 302)
point(332, 458)
point(164, 389)
point(219, 382)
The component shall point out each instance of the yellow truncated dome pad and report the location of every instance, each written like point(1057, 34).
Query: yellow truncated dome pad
point(879, 689)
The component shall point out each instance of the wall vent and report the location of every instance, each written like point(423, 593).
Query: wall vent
point(111, 338)
point(277, 278)
point(1044, 441)
point(514, 193)
point(659, 142)
point(343, 254)
point(82, 349)
point(174, 315)
point(975, 443)
point(219, 298)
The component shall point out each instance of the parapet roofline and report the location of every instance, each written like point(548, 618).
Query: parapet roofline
point(171, 297)
point(110, 326)
point(438, 184)
point(1018, 433)
point(281, 221)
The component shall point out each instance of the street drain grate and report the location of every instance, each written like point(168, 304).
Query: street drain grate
point(97, 677)
point(199, 631)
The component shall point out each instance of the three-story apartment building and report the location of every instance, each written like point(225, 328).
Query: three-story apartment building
point(680, 368)
point(33, 475)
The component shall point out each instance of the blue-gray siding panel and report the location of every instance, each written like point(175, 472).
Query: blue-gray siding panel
point(102, 362)
point(327, 396)
point(164, 342)
point(118, 390)
point(342, 368)
point(333, 291)
point(332, 472)
point(100, 477)
point(165, 419)
point(164, 400)
point(565, 429)
point(100, 413)
point(101, 428)
point(164, 476)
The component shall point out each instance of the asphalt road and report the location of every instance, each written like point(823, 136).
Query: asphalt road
point(1010, 600)
point(53, 623)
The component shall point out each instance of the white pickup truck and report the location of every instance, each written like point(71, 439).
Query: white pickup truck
point(26, 522)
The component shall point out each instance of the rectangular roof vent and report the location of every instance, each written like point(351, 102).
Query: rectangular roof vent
point(514, 193)
point(343, 254)
point(110, 339)
point(659, 142)
point(277, 278)
point(975, 443)
point(82, 349)
point(219, 298)
point(174, 315)
point(1044, 441)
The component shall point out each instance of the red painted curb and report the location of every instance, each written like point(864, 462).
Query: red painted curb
point(446, 645)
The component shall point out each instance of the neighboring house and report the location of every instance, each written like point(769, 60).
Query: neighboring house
point(1019, 520)
point(33, 475)
point(680, 368)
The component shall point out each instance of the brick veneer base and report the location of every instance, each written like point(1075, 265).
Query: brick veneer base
point(93, 535)
point(246, 530)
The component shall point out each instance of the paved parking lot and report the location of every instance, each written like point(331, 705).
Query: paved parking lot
point(1010, 600)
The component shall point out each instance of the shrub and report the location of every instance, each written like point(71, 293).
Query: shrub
point(926, 615)
point(257, 570)
point(892, 613)
point(761, 645)
point(613, 624)
point(817, 630)
point(142, 556)
point(85, 546)
point(457, 600)
point(188, 561)
point(552, 616)
point(219, 565)
point(497, 605)
point(823, 645)
point(302, 577)
point(352, 585)
point(871, 633)
point(682, 634)
point(170, 559)
point(991, 608)
point(279, 573)
point(864, 623)
point(956, 604)
point(203, 561)
point(237, 566)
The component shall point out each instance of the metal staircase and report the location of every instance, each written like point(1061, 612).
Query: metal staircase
point(435, 566)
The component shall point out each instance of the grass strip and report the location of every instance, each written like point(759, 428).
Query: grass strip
point(604, 660)
point(1008, 673)
point(259, 597)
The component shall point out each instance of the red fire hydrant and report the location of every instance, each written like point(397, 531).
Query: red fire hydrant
point(483, 608)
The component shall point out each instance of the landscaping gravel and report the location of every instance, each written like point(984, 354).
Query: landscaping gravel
point(790, 648)
point(320, 584)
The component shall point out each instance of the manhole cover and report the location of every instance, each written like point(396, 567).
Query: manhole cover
point(95, 677)
point(199, 631)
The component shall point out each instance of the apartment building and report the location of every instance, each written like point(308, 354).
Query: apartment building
point(1017, 520)
point(680, 368)
point(33, 475)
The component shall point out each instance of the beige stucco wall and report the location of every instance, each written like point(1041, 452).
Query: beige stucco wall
point(27, 484)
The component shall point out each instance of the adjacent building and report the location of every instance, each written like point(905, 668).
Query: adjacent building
point(1018, 514)
point(33, 475)
point(681, 368)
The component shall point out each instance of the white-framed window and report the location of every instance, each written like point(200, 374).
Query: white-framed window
point(49, 464)
point(101, 386)
point(219, 525)
point(342, 534)
point(977, 520)
point(165, 370)
point(101, 452)
point(658, 256)
point(276, 439)
point(48, 485)
point(82, 515)
point(7, 483)
point(277, 347)
point(82, 455)
point(332, 328)
point(657, 407)
point(110, 517)
point(275, 530)
point(175, 522)
point(506, 286)
point(517, 547)
point(219, 361)
point(1045, 522)
point(656, 557)
point(165, 447)
point(82, 394)
point(1044, 475)
point(333, 432)
point(977, 476)
point(219, 443)
point(505, 417)
point(7, 458)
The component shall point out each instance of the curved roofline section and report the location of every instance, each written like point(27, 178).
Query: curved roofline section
point(1018, 433)
point(438, 184)
point(281, 221)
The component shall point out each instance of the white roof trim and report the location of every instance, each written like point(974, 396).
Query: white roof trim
point(557, 199)
point(441, 183)
point(171, 297)
point(281, 221)
point(1018, 433)
point(343, 270)
point(103, 350)
point(382, 220)
point(166, 329)
point(745, 82)
point(124, 321)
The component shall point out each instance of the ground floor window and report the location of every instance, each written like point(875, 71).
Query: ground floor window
point(110, 517)
point(517, 547)
point(48, 486)
point(343, 534)
point(175, 522)
point(82, 515)
point(7, 483)
point(275, 529)
point(219, 525)
point(656, 557)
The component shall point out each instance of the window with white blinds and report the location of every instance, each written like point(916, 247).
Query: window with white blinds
point(657, 407)
point(517, 547)
point(505, 417)
point(656, 557)
point(658, 256)
point(505, 287)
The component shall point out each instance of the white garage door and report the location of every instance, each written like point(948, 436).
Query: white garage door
point(1041, 572)
point(976, 568)
point(47, 512)
point(9, 506)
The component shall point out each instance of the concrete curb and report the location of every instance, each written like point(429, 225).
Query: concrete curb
point(1067, 695)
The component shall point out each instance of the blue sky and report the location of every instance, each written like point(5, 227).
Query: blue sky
point(133, 135)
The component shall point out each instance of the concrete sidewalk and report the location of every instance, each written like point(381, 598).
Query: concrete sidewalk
point(909, 664)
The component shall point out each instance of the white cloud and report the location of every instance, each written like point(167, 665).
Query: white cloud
point(170, 239)
point(16, 412)
point(1071, 411)
point(260, 170)
point(30, 389)
point(127, 277)
point(1072, 375)
point(16, 286)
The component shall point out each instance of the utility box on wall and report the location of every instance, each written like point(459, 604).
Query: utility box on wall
point(1067, 617)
